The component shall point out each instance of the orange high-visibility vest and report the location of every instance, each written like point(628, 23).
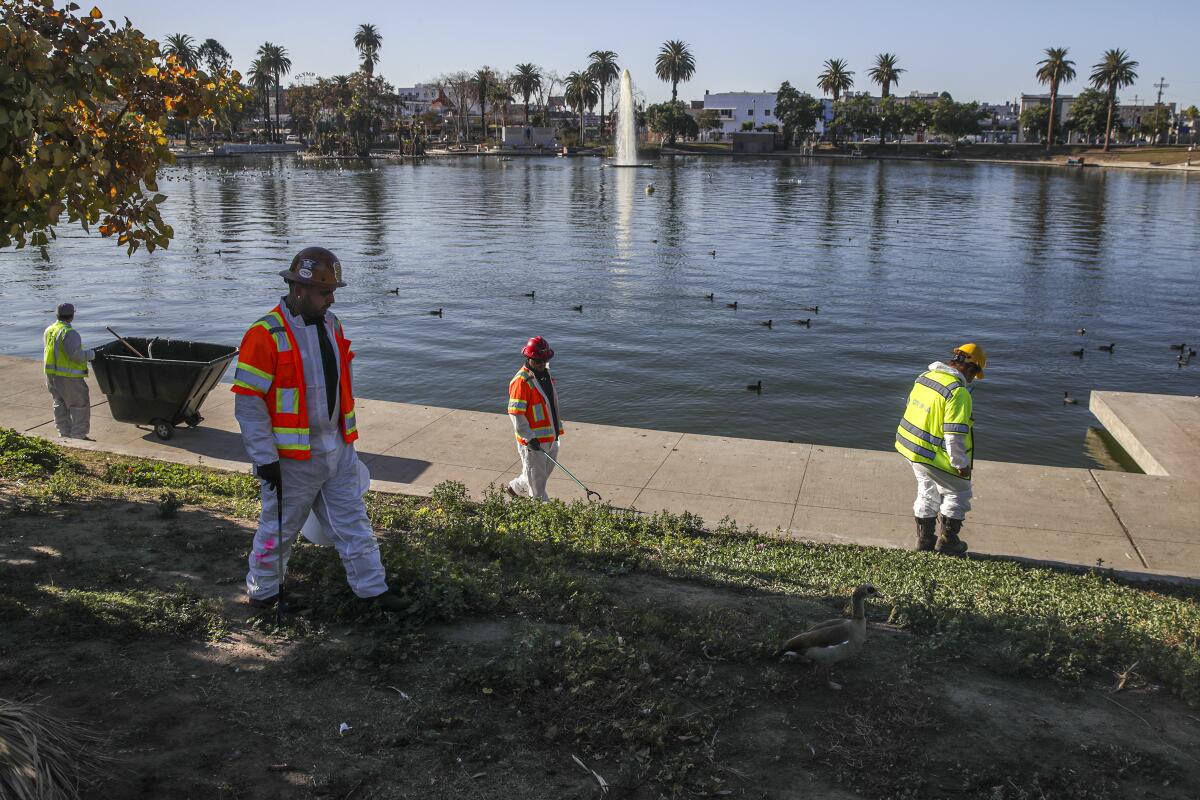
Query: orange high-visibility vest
point(525, 397)
point(269, 366)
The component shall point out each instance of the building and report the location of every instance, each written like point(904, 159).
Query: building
point(1002, 125)
point(1128, 118)
point(1134, 115)
point(735, 109)
point(417, 100)
point(1062, 102)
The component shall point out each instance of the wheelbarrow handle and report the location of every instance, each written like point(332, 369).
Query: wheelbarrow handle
point(121, 339)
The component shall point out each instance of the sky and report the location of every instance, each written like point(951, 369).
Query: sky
point(986, 51)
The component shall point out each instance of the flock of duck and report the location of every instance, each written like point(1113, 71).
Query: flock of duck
point(1183, 359)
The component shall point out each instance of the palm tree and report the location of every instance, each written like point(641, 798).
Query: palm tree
point(261, 80)
point(605, 70)
point(527, 81)
point(836, 78)
point(215, 56)
point(674, 64)
point(1116, 70)
point(275, 58)
point(1054, 69)
point(368, 40)
point(482, 83)
point(183, 48)
point(885, 73)
point(582, 92)
point(500, 95)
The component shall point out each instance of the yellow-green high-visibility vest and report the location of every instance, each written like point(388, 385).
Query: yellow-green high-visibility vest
point(56, 359)
point(938, 404)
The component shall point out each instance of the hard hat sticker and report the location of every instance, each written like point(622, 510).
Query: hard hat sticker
point(305, 273)
point(337, 271)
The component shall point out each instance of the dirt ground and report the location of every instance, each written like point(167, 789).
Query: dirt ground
point(257, 713)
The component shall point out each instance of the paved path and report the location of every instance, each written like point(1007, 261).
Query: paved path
point(1137, 523)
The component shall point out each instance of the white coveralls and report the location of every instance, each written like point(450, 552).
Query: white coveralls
point(939, 492)
point(535, 467)
point(327, 484)
point(72, 401)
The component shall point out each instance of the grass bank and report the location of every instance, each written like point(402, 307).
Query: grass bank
point(541, 633)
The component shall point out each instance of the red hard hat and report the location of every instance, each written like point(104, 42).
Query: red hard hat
point(538, 348)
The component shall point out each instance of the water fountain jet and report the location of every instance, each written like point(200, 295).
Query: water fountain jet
point(626, 133)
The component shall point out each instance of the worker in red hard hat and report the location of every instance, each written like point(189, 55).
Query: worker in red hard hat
point(533, 406)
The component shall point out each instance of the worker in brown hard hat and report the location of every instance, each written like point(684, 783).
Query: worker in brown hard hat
point(295, 406)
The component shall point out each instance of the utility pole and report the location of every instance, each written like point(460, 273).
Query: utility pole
point(1162, 84)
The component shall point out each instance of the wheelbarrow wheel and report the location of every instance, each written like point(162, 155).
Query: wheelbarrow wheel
point(193, 420)
point(163, 429)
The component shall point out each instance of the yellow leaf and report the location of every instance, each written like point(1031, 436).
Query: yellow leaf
point(152, 72)
point(95, 13)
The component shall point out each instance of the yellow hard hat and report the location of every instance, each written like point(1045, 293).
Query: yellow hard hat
point(972, 354)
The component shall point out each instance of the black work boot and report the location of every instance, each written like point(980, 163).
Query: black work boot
point(926, 532)
point(289, 605)
point(388, 602)
point(947, 540)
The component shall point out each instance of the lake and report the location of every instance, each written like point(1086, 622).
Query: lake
point(904, 259)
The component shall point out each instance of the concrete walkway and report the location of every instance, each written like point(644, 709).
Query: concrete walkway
point(1137, 523)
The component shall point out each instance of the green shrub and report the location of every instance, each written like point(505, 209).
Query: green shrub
point(29, 457)
point(160, 475)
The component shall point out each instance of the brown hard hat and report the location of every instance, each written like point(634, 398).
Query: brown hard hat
point(315, 266)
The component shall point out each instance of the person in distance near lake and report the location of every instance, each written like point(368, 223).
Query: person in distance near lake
point(65, 362)
point(533, 406)
point(936, 434)
point(295, 406)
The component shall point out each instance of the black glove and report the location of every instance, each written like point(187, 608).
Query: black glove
point(271, 474)
point(534, 444)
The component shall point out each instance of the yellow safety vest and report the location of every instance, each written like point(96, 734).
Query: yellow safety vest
point(56, 359)
point(938, 404)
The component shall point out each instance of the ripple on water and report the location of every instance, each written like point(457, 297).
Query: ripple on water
point(904, 259)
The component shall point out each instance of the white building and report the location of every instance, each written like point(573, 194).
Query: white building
point(736, 108)
point(417, 99)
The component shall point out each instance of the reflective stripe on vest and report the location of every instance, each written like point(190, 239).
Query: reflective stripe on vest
point(252, 378)
point(55, 359)
point(920, 434)
point(294, 439)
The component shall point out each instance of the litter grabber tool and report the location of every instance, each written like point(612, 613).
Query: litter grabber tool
point(279, 550)
point(564, 469)
point(123, 341)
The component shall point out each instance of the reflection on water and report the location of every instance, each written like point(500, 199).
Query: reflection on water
point(1106, 453)
point(905, 260)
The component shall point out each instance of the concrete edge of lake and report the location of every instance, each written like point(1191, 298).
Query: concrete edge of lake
point(1140, 525)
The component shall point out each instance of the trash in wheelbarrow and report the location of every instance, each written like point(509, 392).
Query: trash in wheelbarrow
point(164, 389)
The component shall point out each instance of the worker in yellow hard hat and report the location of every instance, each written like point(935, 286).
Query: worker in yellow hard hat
point(936, 434)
